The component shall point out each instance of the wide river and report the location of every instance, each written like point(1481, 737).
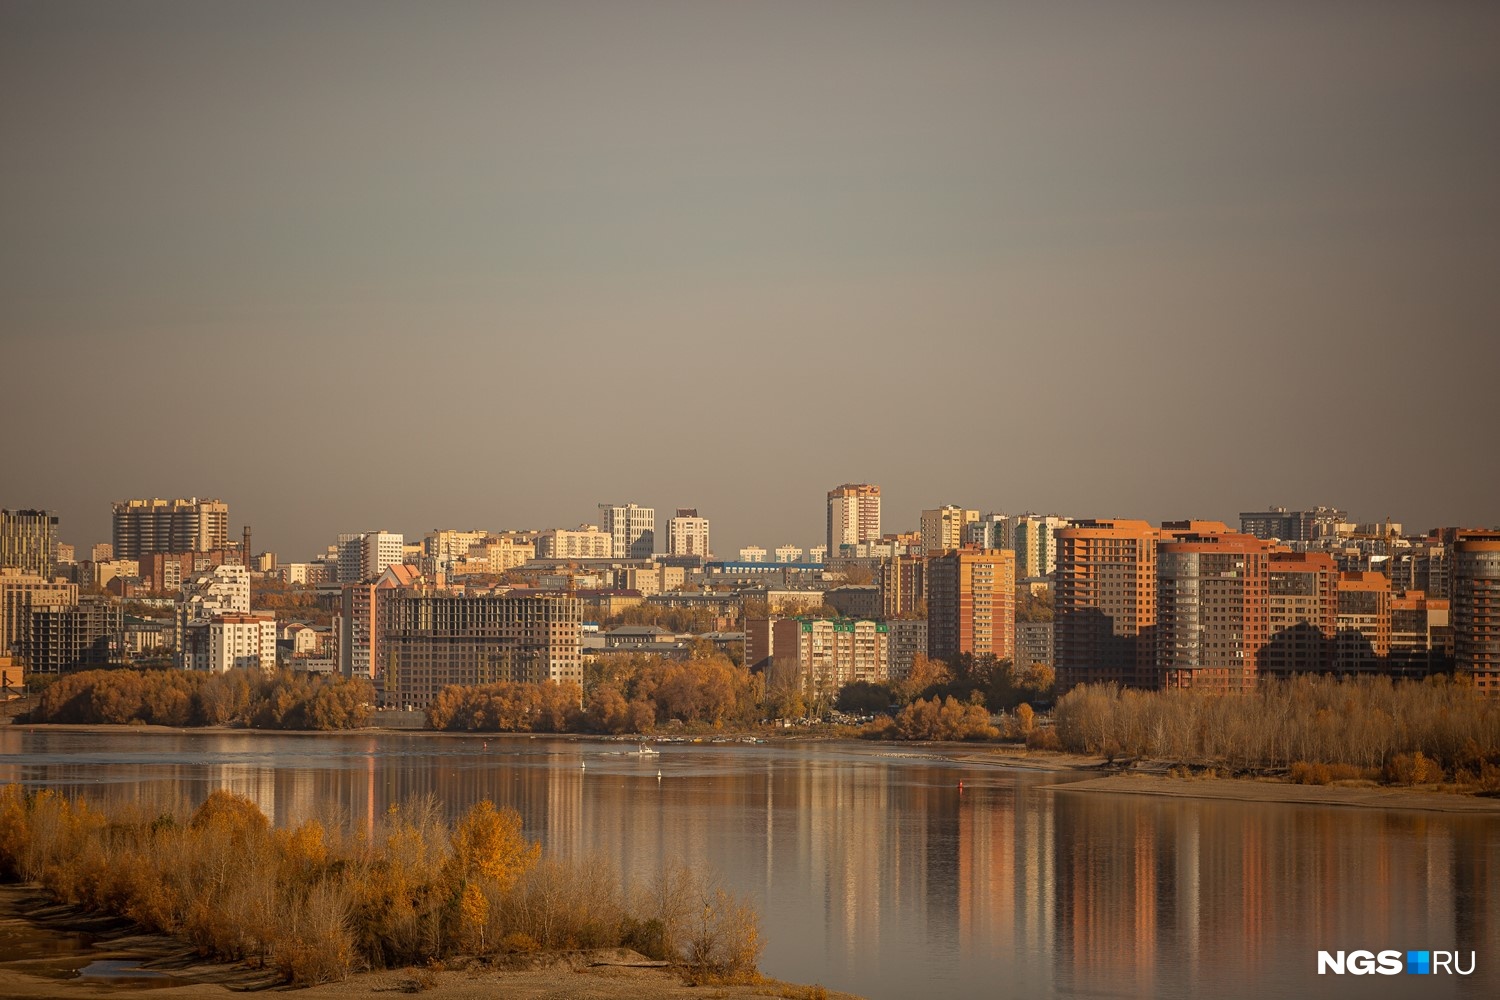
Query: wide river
point(901, 874)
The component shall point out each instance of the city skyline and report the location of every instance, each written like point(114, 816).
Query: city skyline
point(1155, 262)
point(66, 533)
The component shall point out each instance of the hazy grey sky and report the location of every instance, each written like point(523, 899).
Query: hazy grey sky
point(353, 265)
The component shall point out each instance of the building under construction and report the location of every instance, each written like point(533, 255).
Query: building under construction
point(432, 641)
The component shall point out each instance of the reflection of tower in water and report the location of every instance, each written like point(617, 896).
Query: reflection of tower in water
point(1113, 885)
point(563, 831)
point(986, 869)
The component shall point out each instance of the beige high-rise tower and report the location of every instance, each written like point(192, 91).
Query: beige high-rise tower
point(687, 533)
point(143, 527)
point(853, 516)
point(945, 528)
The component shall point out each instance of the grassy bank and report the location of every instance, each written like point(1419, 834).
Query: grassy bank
point(318, 904)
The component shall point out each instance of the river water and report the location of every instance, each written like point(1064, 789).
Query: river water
point(901, 874)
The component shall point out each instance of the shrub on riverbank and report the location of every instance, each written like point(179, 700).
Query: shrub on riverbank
point(283, 700)
point(317, 903)
point(938, 719)
point(509, 708)
point(1410, 732)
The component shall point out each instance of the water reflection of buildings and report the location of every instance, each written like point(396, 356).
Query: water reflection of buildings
point(884, 870)
point(1184, 896)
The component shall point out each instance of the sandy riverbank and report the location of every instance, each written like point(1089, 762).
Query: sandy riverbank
point(1359, 794)
point(42, 945)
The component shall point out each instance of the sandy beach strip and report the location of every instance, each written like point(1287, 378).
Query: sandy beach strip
point(1360, 795)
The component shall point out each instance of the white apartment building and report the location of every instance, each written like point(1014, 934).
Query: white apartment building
point(382, 550)
point(788, 553)
point(302, 574)
point(752, 554)
point(853, 516)
point(588, 542)
point(222, 590)
point(632, 530)
point(239, 641)
point(1034, 538)
point(687, 534)
point(817, 554)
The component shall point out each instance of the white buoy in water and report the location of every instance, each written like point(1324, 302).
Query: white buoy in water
point(658, 775)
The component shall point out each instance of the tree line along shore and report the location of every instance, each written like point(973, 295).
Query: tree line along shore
point(1312, 729)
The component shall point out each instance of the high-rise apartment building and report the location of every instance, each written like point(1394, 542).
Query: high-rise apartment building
point(1034, 537)
point(788, 553)
point(1033, 644)
point(143, 527)
point(971, 603)
point(381, 550)
point(1293, 525)
point(752, 554)
point(1475, 608)
point(992, 531)
point(363, 555)
point(28, 542)
point(908, 639)
point(1425, 566)
point(1105, 603)
point(687, 534)
point(241, 641)
point(1211, 610)
point(1421, 637)
point(1364, 622)
point(819, 655)
point(221, 590)
point(853, 516)
point(432, 641)
point(1301, 613)
point(903, 585)
point(632, 530)
point(945, 528)
point(355, 627)
point(350, 560)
